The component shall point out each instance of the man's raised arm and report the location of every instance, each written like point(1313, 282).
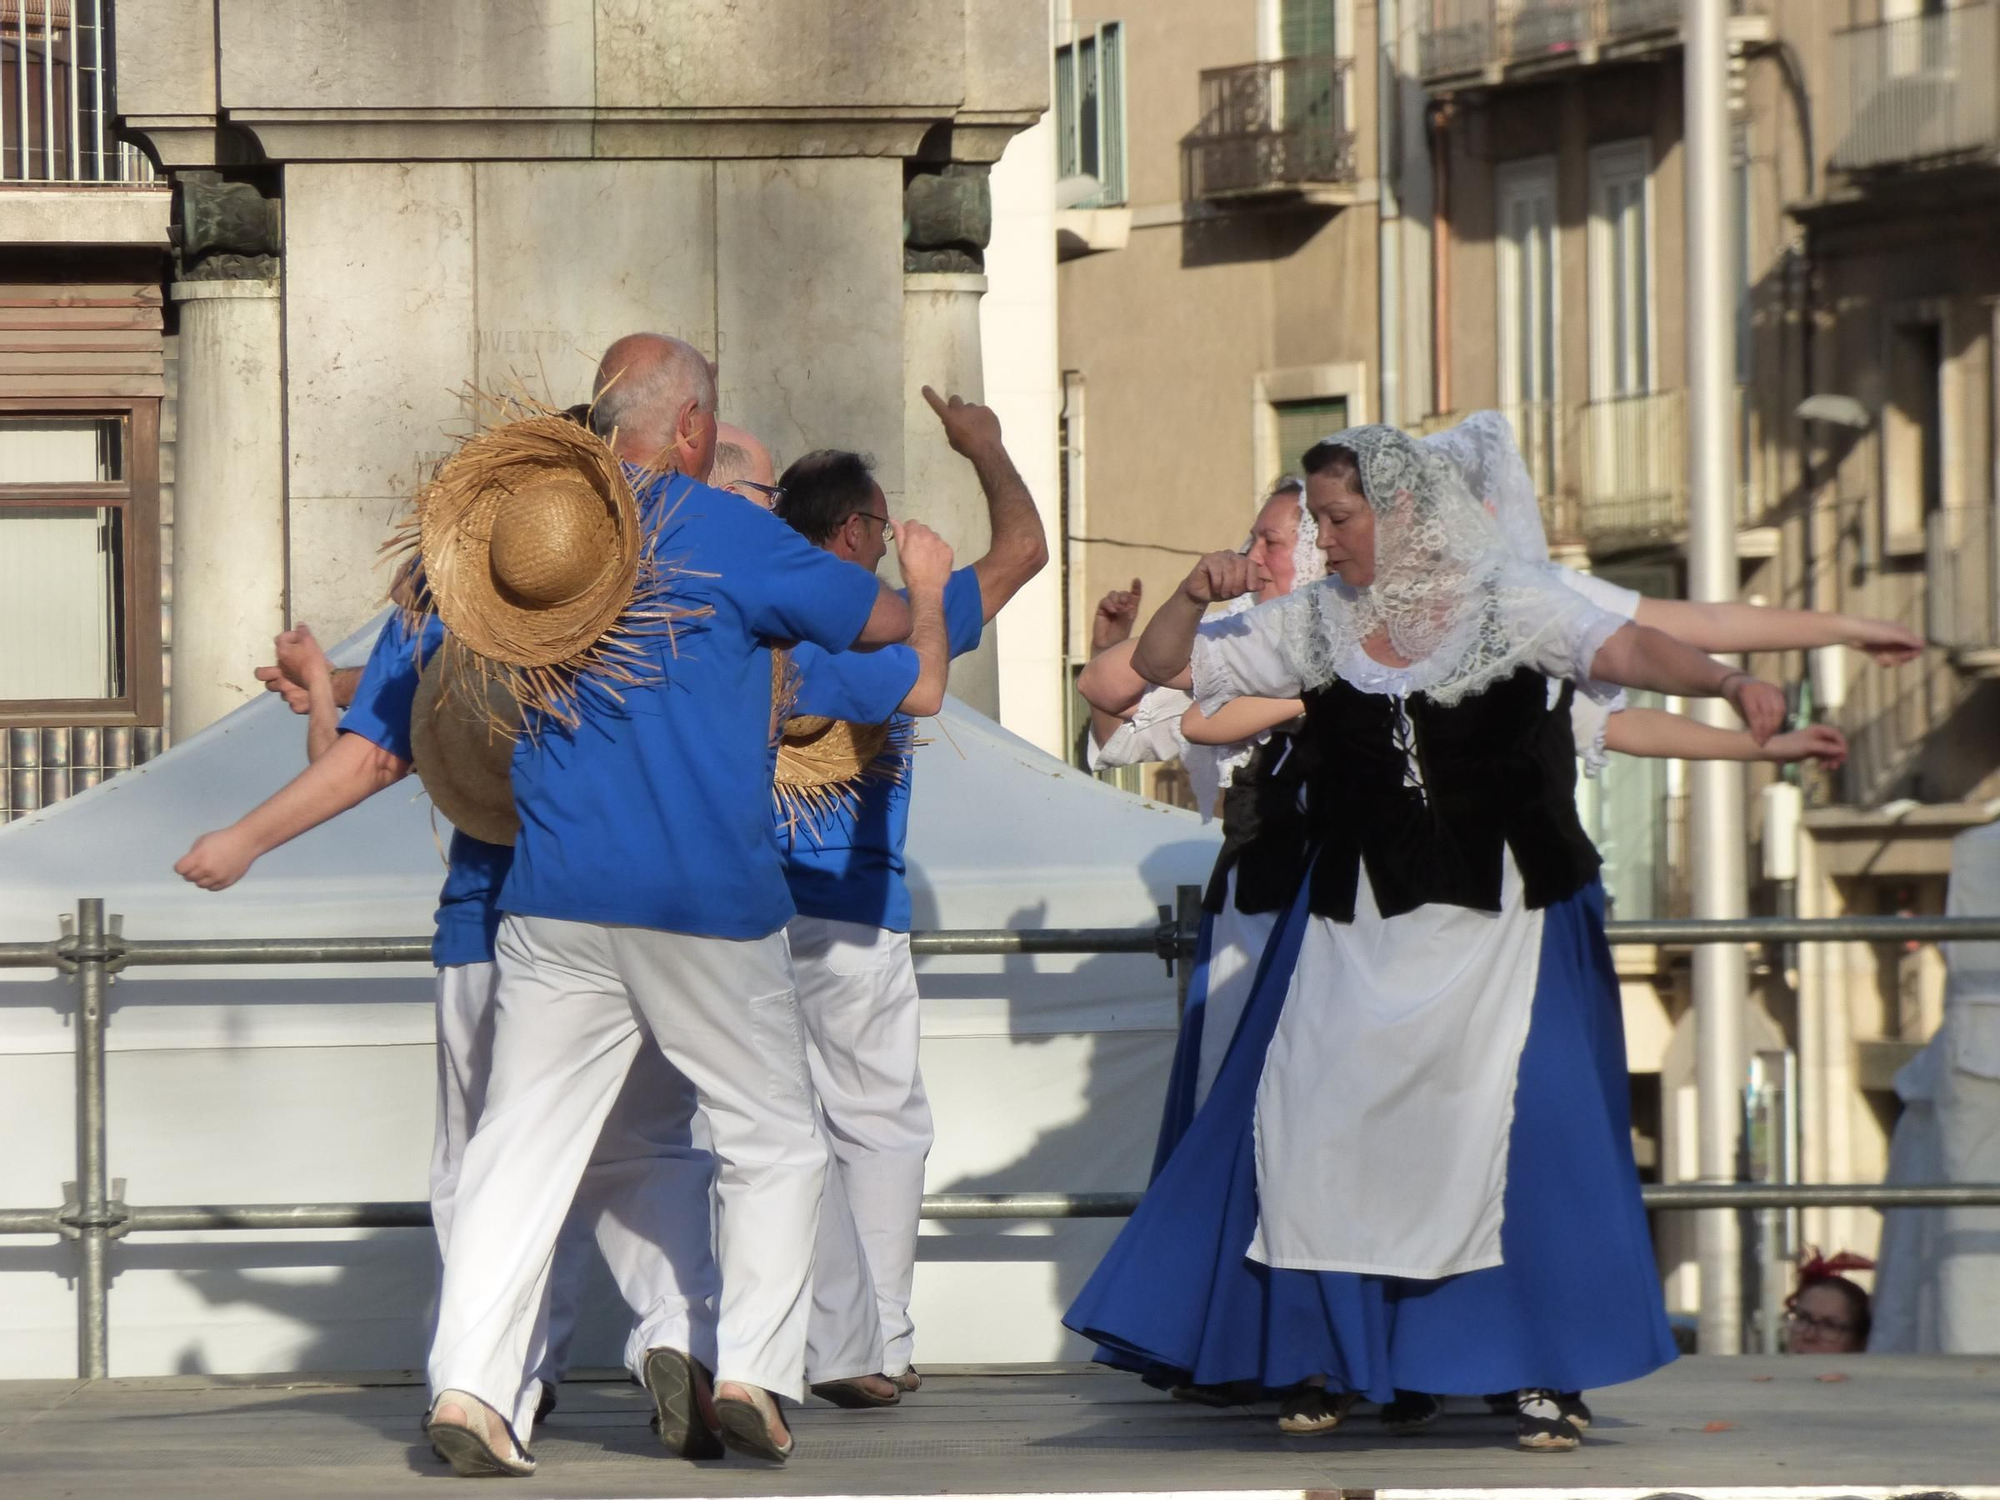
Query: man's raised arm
point(1020, 545)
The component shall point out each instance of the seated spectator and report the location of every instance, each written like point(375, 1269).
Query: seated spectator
point(1827, 1314)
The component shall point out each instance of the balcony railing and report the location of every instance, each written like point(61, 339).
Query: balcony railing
point(1613, 473)
point(1916, 90)
point(1272, 127)
point(1634, 467)
point(55, 99)
point(1961, 602)
point(1459, 37)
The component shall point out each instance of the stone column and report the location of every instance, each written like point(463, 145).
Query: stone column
point(229, 496)
point(941, 350)
point(948, 215)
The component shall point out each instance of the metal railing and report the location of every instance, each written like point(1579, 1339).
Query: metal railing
point(1457, 37)
point(1613, 473)
point(1634, 467)
point(55, 97)
point(1272, 127)
point(1922, 89)
point(93, 948)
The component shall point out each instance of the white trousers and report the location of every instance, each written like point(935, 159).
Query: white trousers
point(576, 1004)
point(657, 1247)
point(858, 995)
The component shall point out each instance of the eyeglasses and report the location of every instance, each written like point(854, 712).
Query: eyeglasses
point(771, 492)
point(888, 529)
point(1832, 1327)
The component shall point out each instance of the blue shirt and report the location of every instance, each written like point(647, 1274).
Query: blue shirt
point(655, 811)
point(848, 866)
point(468, 914)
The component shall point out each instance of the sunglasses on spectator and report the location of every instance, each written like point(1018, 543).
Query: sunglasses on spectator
point(1812, 1324)
point(771, 492)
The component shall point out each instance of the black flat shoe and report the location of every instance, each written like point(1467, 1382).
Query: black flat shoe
point(1541, 1427)
point(674, 1381)
point(1411, 1412)
point(1310, 1410)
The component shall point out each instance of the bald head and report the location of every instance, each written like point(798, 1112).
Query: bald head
point(658, 395)
point(742, 463)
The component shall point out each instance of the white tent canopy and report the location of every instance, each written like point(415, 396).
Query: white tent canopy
point(309, 1084)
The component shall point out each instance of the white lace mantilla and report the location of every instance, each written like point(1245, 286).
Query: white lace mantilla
point(1448, 595)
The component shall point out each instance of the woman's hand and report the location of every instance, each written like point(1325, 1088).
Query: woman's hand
point(1221, 576)
point(1760, 705)
point(1887, 644)
point(1816, 742)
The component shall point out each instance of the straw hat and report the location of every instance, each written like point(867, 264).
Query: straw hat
point(463, 724)
point(530, 541)
point(823, 762)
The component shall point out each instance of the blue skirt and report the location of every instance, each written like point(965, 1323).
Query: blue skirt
point(1576, 1304)
point(1178, 1112)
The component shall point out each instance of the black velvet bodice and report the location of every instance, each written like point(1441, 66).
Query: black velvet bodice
point(1265, 837)
point(1428, 797)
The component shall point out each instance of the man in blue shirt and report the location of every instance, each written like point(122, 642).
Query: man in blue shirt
point(851, 938)
point(646, 907)
point(352, 756)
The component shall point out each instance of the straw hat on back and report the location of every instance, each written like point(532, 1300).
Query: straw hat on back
point(462, 731)
point(533, 559)
point(823, 762)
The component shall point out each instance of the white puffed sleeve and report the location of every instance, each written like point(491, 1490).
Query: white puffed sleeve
point(1606, 595)
point(1245, 656)
point(1152, 733)
point(1589, 719)
point(1560, 628)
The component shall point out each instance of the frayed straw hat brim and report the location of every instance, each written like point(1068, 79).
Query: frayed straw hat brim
point(534, 557)
point(458, 511)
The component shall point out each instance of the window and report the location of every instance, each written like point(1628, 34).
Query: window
point(1307, 28)
point(1913, 471)
point(1310, 29)
point(1621, 294)
point(1529, 318)
point(1090, 112)
point(1300, 425)
point(54, 126)
point(79, 562)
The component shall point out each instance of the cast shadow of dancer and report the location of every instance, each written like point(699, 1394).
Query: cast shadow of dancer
point(1107, 1146)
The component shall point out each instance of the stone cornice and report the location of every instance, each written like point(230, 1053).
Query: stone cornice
point(281, 135)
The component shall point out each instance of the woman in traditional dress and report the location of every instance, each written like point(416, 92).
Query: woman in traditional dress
point(1409, 1172)
point(1258, 780)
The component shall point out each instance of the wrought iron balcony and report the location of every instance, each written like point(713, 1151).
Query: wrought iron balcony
point(1485, 39)
point(1921, 90)
point(1634, 468)
point(1271, 128)
point(1962, 586)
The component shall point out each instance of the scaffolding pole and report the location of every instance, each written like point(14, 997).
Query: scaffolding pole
point(1718, 830)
